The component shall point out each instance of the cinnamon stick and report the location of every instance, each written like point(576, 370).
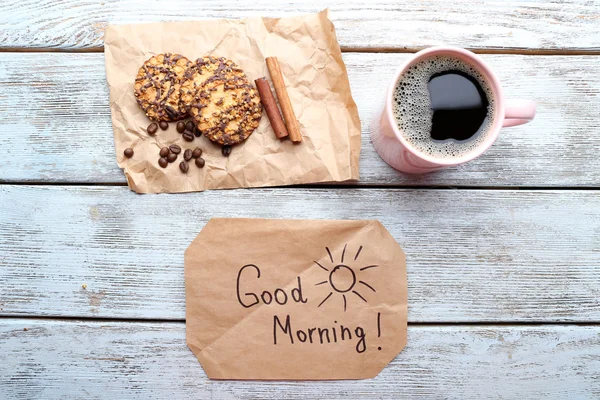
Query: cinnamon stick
point(268, 101)
point(284, 100)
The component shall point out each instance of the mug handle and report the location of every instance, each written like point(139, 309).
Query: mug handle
point(518, 112)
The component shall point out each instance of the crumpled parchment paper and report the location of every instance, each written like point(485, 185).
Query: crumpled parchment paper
point(317, 82)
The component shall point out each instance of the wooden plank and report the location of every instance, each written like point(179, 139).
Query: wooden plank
point(56, 122)
point(473, 256)
point(72, 359)
point(392, 24)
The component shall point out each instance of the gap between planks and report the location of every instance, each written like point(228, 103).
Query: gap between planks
point(346, 49)
point(341, 185)
point(415, 324)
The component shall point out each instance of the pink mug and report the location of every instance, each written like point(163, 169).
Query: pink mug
point(393, 148)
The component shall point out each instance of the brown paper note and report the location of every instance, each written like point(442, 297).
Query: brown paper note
point(317, 83)
point(295, 299)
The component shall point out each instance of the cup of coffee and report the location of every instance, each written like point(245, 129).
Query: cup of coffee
point(444, 107)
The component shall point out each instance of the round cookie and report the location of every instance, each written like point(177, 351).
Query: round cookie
point(202, 70)
point(227, 111)
point(157, 86)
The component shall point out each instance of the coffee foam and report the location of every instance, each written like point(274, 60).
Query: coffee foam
point(413, 113)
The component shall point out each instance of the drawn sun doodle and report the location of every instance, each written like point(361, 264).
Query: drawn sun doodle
point(343, 278)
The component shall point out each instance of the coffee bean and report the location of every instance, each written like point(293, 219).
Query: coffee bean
point(163, 162)
point(197, 152)
point(190, 126)
point(187, 155)
point(128, 152)
point(188, 137)
point(164, 125)
point(200, 162)
point(172, 112)
point(197, 132)
point(183, 166)
point(151, 129)
point(171, 157)
point(180, 126)
point(175, 149)
point(226, 150)
point(164, 152)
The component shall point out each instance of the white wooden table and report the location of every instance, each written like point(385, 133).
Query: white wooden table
point(503, 253)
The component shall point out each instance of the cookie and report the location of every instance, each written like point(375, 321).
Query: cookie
point(226, 111)
point(202, 70)
point(157, 86)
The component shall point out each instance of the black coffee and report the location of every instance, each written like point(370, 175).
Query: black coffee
point(443, 106)
point(459, 105)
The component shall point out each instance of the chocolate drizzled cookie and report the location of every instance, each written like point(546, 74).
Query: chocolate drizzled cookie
point(221, 100)
point(157, 86)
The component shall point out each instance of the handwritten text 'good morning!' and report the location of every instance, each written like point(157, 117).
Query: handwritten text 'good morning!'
point(284, 331)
